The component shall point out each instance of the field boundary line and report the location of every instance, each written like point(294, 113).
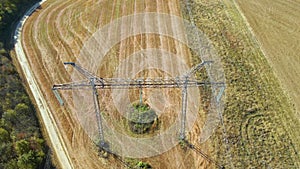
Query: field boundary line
point(54, 135)
point(293, 135)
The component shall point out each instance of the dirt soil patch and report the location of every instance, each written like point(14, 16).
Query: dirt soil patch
point(56, 33)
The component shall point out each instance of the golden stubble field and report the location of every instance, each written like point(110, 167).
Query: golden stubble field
point(276, 25)
point(261, 129)
point(56, 33)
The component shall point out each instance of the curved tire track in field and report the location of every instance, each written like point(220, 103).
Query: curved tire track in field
point(48, 120)
point(54, 35)
point(256, 134)
point(63, 38)
point(285, 69)
point(67, 126)
point(251, 92)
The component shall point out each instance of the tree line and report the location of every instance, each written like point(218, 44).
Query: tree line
point(10, 13)
point(21, 143)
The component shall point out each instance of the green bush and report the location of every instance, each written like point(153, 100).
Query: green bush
point(143, 165)
point(141, 118)
point(137, 164)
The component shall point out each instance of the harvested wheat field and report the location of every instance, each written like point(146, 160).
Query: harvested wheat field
point(276, 26)
point(258, 128)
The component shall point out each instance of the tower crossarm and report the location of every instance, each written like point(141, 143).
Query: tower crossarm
point(119, 83)
point(84, 72)
point(93, 82)
point(194, 69)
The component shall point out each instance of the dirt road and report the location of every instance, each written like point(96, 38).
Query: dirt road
point(48, 120)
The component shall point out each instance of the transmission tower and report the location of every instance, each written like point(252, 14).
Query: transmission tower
point(184, 82)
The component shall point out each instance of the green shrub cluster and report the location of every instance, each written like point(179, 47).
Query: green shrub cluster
point(141, 118)
point(137, 164)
